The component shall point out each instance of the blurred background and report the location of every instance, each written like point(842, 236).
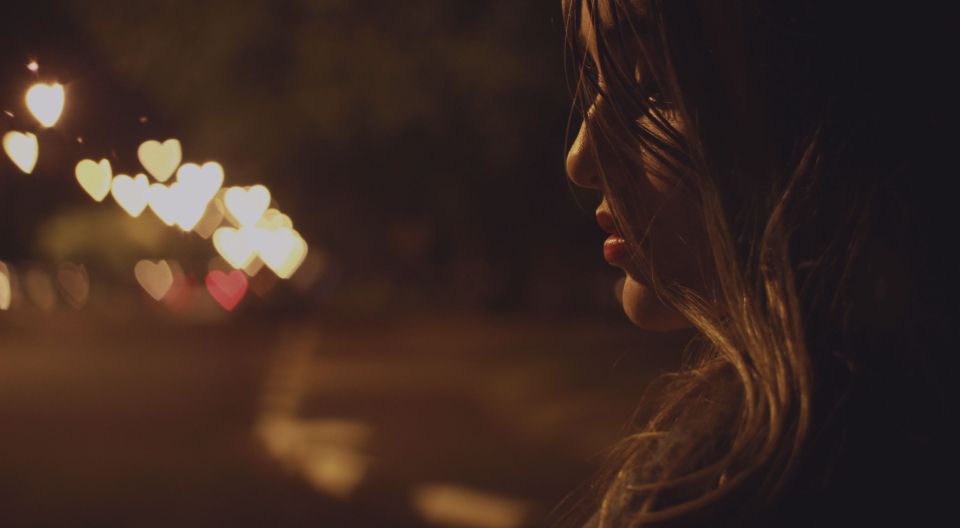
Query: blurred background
point(420, 329)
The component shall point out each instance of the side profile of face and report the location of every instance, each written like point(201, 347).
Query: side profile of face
point(673, 242)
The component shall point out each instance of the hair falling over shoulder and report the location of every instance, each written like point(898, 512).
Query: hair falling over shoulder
point(813, 139)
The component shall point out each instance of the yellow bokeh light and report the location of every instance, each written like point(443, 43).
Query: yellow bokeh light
point(273, 219)
point(200, 182)
point(163, 203)
point(235, 246)
point(210, 220)
point(176, 204)
point(190, 208)
point(6, 291)
point(156, 278)
point(247, 205)
point(130, 193)
point(160, 159)
point(33, 66)
point(23, 150)
point(45, 102)
point(95, 178)
point(282, 250)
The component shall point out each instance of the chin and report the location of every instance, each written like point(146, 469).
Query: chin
point(645, 309)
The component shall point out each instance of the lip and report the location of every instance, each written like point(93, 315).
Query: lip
point(605, 220)
point(615, 250)
point(614, 247)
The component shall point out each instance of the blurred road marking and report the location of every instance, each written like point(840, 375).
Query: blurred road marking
point(326, 452)
point(454, 505)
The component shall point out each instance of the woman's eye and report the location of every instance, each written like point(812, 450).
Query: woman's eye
point(649, 90)
point(656, 100)
point(652, 95)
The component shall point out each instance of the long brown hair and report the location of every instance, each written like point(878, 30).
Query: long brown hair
point(802, 168)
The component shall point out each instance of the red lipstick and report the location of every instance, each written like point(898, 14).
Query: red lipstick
point(614, 247)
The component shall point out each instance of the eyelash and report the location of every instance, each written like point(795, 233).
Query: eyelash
point(650, 92)
point(653, 95)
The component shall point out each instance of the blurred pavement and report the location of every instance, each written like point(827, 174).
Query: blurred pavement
point(426, 421)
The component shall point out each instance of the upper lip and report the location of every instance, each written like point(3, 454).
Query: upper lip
point(605, 219)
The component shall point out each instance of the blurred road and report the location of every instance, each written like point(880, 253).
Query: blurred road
point(427, 421)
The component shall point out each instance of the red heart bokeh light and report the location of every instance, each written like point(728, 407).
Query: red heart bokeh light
point(227, 289)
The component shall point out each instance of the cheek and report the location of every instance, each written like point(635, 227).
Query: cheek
point(676, 251)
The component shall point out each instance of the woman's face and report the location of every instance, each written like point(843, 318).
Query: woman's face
point(669, 218)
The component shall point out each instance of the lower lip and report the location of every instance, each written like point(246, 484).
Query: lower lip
point(615, 249)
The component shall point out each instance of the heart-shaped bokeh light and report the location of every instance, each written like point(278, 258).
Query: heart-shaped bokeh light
point(74, 284)
point(45, 102)
point(23, 149)
point(155, 278)
point(235, 246)
point(160, 159)
point(210, 220)
point(247, 205)
point(130, 193)
point(95, 178)
point(191, 208)
point(273, 219)
point(282, 250)
point(200, 182)
point(176, 205)
point(162, 200)
point(227, 289)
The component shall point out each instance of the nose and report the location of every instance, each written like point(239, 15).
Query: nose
point(580, 163)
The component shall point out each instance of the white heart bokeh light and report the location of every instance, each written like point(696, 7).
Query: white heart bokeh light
point(160, 159)
point(45, 102)
point(22, 149)
point(195, 200)
point(95, 178)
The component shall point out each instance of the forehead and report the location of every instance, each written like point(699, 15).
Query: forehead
point(588, 24)
point(632, 10)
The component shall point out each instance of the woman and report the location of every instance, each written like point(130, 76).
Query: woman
point(769, 173)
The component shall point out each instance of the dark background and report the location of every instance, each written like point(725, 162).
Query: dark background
point(419, 145)
point(461, 315)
